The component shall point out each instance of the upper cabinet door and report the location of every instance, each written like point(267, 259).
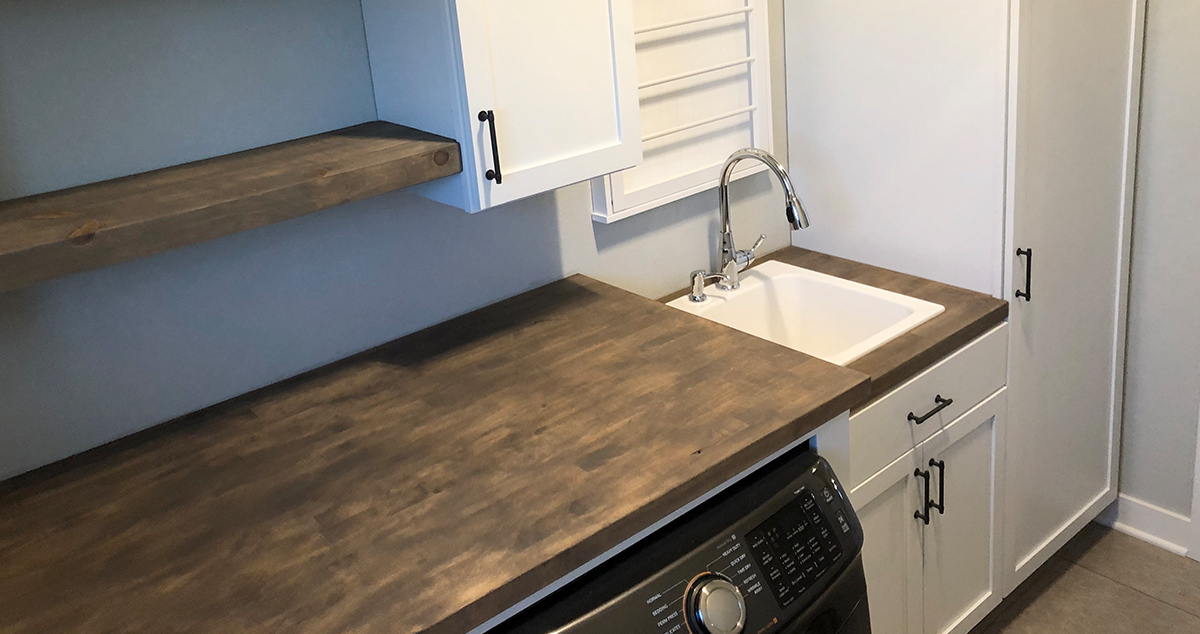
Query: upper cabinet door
point(560, 80)
point(557, 82)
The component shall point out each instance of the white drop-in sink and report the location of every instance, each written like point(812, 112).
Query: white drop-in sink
point(821, 315)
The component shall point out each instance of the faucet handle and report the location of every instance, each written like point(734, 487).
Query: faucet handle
point(744, 258)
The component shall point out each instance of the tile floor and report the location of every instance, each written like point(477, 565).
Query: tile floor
point(1104, 582)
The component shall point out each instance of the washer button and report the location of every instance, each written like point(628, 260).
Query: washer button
point(841, 518)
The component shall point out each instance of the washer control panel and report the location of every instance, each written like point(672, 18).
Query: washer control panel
point(797, 546)
point(777, 558)
point(672, 601)
point(749, 563)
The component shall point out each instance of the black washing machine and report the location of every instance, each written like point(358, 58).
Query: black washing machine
point(778, 552)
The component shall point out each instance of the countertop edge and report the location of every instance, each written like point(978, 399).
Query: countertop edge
point(881, 385)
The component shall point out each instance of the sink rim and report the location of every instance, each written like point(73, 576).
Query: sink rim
point(764, 273)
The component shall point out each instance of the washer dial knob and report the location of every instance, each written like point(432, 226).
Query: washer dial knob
point(715, 606)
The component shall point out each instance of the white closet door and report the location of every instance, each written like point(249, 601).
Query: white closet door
point(561, 81)
point(891, 554)
point(1079, 72)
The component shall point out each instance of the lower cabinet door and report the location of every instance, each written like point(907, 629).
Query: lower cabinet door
point(962, 580)
point(886, 503)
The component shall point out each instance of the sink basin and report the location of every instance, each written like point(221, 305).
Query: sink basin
point(824, 316)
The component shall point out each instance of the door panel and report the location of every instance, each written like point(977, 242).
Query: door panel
point(961, 571)
point(561, 80)
point(892, 545)
point(1076, 63)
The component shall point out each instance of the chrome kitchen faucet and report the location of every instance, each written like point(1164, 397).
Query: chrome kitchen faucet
point(734, 261)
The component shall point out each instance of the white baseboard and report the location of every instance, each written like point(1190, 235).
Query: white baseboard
point(1137, 518)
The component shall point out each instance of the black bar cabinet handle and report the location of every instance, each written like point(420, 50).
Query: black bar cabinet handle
point(1028, 253)
point(923, 515)
point(492, 174)
point(940, 505)
point(940, 404)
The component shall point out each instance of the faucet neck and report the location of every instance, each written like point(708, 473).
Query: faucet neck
point(794, 210)
point(728, 250)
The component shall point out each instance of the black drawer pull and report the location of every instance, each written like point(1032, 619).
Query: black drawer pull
point(940, 505)
point(941, 404)
point(492, 174)
point(1026, 294)
point(923, 515)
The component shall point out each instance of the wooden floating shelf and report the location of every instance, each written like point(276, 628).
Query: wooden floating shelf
point(50, 235)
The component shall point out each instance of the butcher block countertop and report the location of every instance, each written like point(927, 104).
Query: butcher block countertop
point(431, 483)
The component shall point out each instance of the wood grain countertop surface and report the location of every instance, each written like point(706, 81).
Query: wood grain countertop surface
point(423, 486)
point(431, 483)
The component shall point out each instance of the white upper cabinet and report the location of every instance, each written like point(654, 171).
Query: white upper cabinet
point(539, 94)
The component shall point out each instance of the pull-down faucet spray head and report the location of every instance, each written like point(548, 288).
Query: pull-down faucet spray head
point(795, 212)
point(794, 209)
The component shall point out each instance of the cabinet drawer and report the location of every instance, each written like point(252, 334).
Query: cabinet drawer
point(883, 431)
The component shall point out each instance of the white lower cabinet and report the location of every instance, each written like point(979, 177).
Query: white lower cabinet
point(962, 544)
point(893, 545)
point(940, 576)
